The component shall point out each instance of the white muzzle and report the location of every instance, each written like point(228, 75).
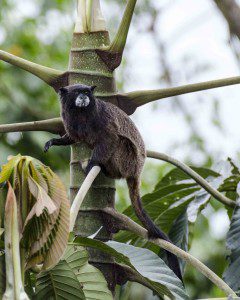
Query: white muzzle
point(82, 101)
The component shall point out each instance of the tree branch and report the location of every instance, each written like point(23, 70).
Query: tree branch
point(52, 77)
point(200, 180)
point(112, 55)
point(130, 225)
point(135, 99)
point(231, 12)
point(52, 125)
point(77, 202)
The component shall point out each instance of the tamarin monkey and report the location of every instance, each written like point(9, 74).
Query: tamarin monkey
point(117, 146)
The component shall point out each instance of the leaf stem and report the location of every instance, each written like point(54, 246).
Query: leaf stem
point(52, 77)
point(119, 41)
point(130, 225)
point(51, 125)
point(139, 98)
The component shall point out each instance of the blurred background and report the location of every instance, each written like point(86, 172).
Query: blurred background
point(170, 43)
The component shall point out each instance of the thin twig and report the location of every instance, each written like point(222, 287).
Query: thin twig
point(130, 225)
point(200, 180)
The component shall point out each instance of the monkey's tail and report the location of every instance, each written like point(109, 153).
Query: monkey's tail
point(153, 230)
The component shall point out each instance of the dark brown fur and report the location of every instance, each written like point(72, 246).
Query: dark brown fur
point(117, 147)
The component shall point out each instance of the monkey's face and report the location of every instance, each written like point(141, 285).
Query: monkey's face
point(77, 97)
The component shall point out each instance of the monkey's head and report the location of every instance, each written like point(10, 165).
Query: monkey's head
point(77, 96)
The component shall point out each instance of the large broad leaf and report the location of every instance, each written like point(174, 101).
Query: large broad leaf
point(232, 274)
point(59, 283)
point(43, 209)
point(176, 175)
point(91, 283)
point(148, 267)
point(160, 205)
point(177, 192)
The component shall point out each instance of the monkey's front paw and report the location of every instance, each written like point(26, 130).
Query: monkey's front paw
point(47, 146)
point(90, 165)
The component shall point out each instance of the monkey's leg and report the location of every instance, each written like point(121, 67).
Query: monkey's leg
point(101, 154)
point(63, 141)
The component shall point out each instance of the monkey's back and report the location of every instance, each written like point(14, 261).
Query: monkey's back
point(129, 156)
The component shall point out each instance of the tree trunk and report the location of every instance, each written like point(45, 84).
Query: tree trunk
point(86, 67)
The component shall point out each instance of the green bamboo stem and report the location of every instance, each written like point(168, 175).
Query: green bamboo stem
point(199, 179)
point(52, 77)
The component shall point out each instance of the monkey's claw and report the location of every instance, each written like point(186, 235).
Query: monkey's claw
point(47, 146)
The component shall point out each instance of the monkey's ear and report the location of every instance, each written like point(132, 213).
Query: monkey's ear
point(62, 91)
point(93, 88)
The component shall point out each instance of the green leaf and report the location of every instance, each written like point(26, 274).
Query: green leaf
point(92, 281)
point(176, 175)
point(164, 203)
point(43, 209)
point(178, 234)
point(8, 168)
point(146, 264)
point(59, 283)
point(232, 274)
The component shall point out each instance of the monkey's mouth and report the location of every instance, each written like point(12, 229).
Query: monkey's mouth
point(82, 101)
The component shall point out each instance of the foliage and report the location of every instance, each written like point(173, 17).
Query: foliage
point(174, 205)
point(73, 278)
point(43, 209)
point(147, 267)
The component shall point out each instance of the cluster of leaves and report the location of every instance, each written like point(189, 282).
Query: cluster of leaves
point(176, 202)
point(72, 278)
point(43, 218)
point(44, 226)
point(43, 209)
